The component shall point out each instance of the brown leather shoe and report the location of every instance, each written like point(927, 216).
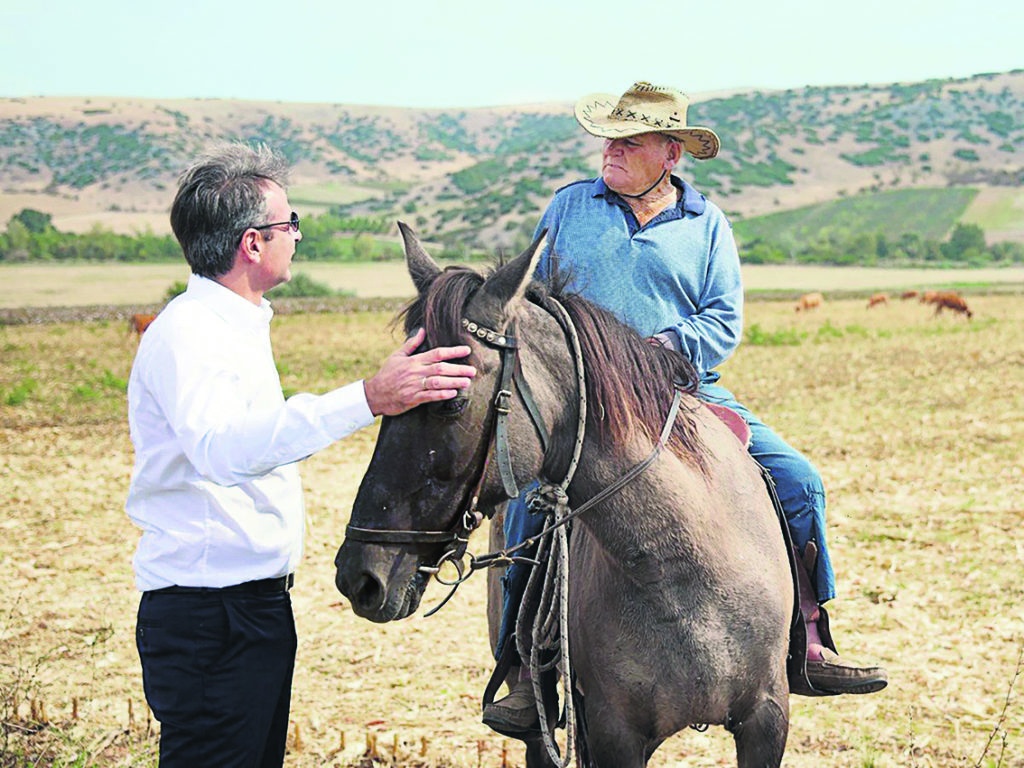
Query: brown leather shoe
point(835, 675)
point(516, 714)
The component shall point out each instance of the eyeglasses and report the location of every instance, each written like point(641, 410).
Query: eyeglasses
point(292, 223)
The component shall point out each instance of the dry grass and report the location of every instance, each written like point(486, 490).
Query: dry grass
point(914, 421)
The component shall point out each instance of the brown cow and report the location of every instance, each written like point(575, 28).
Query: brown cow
point(878, 298)
point(139, 323)
point(908, 295)
point(810, 301)
point(953, 301)
point(928, 297)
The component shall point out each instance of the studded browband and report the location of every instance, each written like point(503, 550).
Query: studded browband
point(494, 338)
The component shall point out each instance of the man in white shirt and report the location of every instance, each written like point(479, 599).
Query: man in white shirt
point(215, 488)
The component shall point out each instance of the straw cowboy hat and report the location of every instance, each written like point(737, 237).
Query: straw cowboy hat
point(645, 108)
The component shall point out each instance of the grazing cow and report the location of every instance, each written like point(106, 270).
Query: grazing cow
point(878, 298)
point(908, 295)
point(810, 301)
point(139, 323)
point(952, 301)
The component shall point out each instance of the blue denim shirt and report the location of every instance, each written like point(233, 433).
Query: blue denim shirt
point(678, 274)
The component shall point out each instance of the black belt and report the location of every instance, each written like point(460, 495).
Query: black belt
point(260, 587)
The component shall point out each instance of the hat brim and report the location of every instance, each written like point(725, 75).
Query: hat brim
point(592, 113)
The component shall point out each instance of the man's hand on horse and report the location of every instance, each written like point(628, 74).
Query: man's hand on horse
point(406, 380)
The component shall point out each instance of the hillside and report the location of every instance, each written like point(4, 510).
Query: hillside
point(482, 176)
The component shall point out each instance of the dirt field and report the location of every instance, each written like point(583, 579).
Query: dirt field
point(58, 285)
point(915, 422)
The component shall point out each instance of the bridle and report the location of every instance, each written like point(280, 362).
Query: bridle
point(510, 379)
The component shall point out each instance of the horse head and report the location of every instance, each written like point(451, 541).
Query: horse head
point(430, 470)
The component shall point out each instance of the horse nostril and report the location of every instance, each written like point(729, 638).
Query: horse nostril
point(367, 593)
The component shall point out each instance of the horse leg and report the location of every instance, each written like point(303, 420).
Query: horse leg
point(611, 742)
point(616, 748)
point(537, 754)
point(761, 735)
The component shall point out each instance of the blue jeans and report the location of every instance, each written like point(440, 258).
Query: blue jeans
point(797, 483)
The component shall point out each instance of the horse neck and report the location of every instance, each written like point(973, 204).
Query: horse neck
point(649, 515)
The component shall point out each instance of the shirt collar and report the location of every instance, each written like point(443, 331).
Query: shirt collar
point(692, 201)
point(228, 304)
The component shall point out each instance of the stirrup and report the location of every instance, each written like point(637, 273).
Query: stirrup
point(515, 715)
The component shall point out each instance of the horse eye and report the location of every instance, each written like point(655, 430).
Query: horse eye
point(450, 409)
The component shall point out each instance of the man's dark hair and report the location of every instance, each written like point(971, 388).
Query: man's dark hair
point(220, 197)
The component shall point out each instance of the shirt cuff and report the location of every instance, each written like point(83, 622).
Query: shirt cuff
point(346, 410)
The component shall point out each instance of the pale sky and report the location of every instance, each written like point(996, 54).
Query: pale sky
point(466, 53)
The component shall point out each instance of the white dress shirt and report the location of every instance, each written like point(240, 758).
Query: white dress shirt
point(215, 488)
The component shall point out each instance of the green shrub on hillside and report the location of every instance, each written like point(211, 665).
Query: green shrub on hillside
point(449, 132)
point(881, 155)
point(531, 132)
point(301, 286)
point(479, 177)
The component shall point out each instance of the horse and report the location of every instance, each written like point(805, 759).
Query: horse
point(680, 593)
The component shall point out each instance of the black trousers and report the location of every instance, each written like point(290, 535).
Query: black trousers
point(217, 672)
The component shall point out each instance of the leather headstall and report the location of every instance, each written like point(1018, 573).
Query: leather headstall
point(509, 379)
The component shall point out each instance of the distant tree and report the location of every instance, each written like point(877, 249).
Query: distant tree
point(364, 247)
point(760, 252)
point(35, 221)
point(16, 243)
point(881, 246)
point(177, 287)
point(965, 238)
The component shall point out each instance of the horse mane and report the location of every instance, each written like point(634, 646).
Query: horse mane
point(630, 381)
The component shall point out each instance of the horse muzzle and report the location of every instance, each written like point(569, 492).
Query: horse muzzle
point(381, 584)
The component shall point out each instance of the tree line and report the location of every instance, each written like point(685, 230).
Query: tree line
point(31, 237)
point(966, 246)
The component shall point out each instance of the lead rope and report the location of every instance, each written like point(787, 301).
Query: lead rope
point(557, 576)
point(557, 570)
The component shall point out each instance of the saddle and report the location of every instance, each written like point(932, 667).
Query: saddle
point(732, 420)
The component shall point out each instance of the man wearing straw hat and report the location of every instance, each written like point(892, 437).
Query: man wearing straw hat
point(647, 246)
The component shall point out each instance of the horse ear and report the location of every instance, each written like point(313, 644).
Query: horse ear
point(422, 269)
point(492, 304)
